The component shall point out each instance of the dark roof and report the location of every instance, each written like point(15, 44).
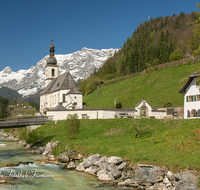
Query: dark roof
point(51, 60)
point(59, 108)
point(156, 110)
point(146, 102)
point(187, 55)
point(74, 91)
point(63, 82)
point(183, 89)
point(93, 109)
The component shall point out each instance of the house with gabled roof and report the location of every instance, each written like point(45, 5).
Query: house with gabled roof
point(59, 89)
point(188, 55)
point(191, 97)
point(145, 110)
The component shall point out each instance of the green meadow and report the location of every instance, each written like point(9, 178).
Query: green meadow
point(173, 143)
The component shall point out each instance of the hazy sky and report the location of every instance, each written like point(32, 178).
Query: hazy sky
point(26, 26)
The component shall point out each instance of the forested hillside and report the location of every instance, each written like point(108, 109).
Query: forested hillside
point(9, 93)
point(7, 107)
point(15, 98)
point(154, 42)
point(3, 107)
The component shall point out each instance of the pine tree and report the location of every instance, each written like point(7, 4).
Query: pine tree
point(123, 68)
point(132, 63)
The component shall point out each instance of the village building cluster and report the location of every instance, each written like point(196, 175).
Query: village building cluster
point(62, 97)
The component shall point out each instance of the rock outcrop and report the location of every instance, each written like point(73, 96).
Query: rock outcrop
point(147, 177)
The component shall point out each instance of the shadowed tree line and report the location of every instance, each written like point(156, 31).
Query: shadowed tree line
point(13, 108)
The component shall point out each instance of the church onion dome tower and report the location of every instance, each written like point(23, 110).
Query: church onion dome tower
point(51, 60)
point(51, 69)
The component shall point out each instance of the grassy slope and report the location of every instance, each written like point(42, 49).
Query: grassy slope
point(173, 143)
point(157, 87)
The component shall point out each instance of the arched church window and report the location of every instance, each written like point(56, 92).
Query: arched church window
point(53, 72)
point(193, 113)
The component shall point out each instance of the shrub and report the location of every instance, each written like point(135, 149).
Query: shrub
point(72, 126)
point(119, 105)
point(156, 68)
point(34, 138)
point(23, 133)
point(168, 104)
point(189, 62)
point(31, 137)
point(176, 55)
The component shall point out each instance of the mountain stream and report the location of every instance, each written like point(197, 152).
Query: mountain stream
point(25, 171)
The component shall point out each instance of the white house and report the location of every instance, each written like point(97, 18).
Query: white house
point(58, 89)
point(145, 110)
point(191, 97)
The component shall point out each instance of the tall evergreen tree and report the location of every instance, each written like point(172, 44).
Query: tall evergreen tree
point(132, 63)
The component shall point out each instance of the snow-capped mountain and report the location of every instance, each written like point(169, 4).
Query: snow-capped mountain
point(80, 64)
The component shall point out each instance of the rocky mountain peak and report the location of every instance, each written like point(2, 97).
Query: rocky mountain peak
point(7, 70)
point(80, 64)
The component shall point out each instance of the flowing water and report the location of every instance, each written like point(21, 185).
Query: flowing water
point(38, 176)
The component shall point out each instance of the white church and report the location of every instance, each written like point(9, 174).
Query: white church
point(62, 96)
point(58, 89)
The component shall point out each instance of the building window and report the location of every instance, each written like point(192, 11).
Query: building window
point(190, 98)
point(193, 98)
point(63, 97)
point(198, 97)
point(74, 97)
point(193, 113)
point(53, 72)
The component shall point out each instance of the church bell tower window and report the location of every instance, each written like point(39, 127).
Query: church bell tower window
point(53, 72)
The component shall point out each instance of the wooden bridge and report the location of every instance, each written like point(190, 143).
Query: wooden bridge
point(23, 121)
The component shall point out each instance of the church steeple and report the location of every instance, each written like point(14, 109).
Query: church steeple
point(51, 50)
point(51, 70)
point(51, 59)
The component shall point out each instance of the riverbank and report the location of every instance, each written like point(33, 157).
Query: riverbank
point(173, 143)
point(116, 171)
point(111, 131)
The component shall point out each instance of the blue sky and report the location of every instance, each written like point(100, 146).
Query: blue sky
point(27, 25)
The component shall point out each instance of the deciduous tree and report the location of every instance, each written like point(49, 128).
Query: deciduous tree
point(72, 126)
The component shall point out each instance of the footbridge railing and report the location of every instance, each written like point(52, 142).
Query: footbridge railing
point(23, 121)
